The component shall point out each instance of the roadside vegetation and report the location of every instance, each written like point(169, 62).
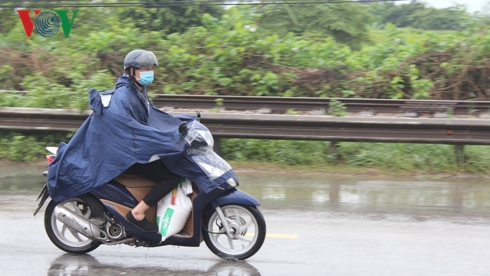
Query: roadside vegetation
point(408, 51)
point(380, 158)
point(323, 50)
point(386, 158)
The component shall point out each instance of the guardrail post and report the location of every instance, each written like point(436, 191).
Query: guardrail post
point(217, 145)
point(333, 149)
point(459, 154)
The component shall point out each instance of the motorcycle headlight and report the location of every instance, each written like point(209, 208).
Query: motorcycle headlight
point(232, 182)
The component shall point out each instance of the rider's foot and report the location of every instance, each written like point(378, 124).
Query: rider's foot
point(144, 224)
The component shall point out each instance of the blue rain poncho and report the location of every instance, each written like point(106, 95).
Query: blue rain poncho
point(123, 129)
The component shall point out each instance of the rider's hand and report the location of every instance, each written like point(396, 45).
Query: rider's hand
point(183, 127)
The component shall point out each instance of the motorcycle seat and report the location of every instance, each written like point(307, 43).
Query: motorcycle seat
point(134, 181)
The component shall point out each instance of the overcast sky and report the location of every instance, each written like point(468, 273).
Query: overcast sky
point(473, 5)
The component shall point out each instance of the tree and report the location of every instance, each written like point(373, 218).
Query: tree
point(417, 15)
point(175, 18)
point(9, 19)
point(344, 22)
point(483, 16)
point(438, 19)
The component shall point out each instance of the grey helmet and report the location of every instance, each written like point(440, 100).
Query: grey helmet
point(140, 58)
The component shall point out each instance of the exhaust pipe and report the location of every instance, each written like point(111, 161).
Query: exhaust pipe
point(78, 223)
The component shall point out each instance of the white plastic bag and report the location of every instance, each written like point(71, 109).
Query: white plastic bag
point(174, 209)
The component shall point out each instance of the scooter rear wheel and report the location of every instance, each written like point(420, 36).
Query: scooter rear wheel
point(248, 229)
point(63, 236)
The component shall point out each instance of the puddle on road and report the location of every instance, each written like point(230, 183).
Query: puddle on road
point(282, 190)
point(21, 178)
point(321, 192)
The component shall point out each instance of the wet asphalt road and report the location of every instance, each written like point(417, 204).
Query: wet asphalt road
point(317, 225)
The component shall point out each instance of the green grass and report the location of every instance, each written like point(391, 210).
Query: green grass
point(388, 157)
point(378, 158)
point(28, 148)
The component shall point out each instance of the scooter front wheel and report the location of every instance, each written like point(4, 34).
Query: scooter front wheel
point(239, 235)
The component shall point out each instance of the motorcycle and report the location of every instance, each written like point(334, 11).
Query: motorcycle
point(227, 219)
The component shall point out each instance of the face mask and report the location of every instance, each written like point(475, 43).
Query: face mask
point(146, 78)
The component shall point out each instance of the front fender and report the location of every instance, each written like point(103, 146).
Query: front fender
point(235, 196)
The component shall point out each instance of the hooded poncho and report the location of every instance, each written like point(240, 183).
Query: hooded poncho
point(125, 128)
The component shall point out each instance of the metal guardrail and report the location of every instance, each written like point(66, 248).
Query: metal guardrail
point(353, 105)
point(355, 129)
point(280, 105)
